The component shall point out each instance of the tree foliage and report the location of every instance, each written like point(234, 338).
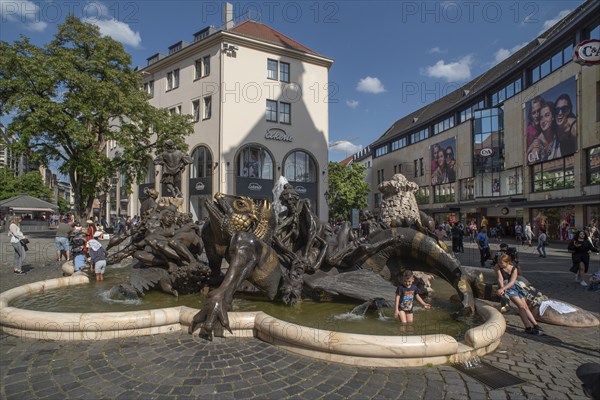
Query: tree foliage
point(71, 98)
point(347, 189)
point(30, 183)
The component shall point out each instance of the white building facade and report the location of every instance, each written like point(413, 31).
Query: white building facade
point(259, 102)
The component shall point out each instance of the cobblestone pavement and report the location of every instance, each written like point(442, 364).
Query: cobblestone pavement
point(179, 366)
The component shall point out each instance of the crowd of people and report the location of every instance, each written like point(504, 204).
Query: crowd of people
point(81, 245)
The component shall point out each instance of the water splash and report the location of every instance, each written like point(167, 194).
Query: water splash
point(105, 296)
point(472, 362)
point(359, 312)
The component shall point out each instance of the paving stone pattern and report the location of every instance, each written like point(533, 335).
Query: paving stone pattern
point(179, 366)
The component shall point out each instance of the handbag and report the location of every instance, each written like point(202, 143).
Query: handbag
point(24, 243)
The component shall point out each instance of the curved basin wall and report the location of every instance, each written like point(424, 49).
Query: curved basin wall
point(348, 348)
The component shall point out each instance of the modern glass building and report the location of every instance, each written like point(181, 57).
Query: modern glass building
point(520, 143)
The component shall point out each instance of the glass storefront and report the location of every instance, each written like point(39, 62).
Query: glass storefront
point(559, 222)
point(255, 173)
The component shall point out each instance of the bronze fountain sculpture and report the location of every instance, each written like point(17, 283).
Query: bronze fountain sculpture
point(287, 256)
point(290, 256)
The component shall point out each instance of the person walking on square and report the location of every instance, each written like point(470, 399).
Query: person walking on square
point(14, 231)
point(406, 294)
point(89, 232)
point(528, 233)
point(63, 233)
point(541, 247)
point(472, 231)
point(579, 248)
point(519, 233)
point(507, 277)
point(97, 256)
point(483, 245)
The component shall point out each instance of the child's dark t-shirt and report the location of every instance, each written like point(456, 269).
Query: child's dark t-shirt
point(407, 297)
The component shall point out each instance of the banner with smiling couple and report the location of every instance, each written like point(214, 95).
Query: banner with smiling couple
point(551, 123)
point(443, 161)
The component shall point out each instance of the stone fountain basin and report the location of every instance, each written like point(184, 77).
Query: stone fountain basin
point(347, 348)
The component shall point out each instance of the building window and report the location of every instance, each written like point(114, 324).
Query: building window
point(443, 125)
point(202, 67)
point(201, 166)
point(197, 69)
point(175, 110)
point(380, 177)
point(554, 175)
point(150, 175)
point(594, 32)
point(206, 66)
point(488, 133)
point(284, 72)
point(285, 113)
point(443, 193)
point(467, 113)
point(149, 88)
point(175, 48)
point(421, 167)
point(207, 107)
point(598, 100)
point(380, 151)
point(420, 135)
point(422, 195)
point(271, 111)
point(398, 144)
point(255, 162)
point(560, 58)
point(196, 110)
point(300, 167)
point(398, 169)
point(173, 79)
point(506, 92)
point(377, 197)
point(271, 69)
point(593, 166)
point(416, 168)
point(467, 189)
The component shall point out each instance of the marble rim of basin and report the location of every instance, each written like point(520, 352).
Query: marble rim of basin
point(347, 348)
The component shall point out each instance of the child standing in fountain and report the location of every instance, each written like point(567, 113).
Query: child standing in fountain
point(97, 256)
point(405, 298)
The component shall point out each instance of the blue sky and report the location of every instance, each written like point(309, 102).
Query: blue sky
point(390, 57)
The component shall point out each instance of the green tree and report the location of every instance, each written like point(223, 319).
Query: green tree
point(63, 205)
point(74, 95)
point(30, 183)
point(347, 189)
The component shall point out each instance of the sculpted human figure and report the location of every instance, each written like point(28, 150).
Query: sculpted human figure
point(173, 163)
point(149, 204)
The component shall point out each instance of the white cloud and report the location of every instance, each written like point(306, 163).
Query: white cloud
point(26, 12)
point(502, 53)
point(342, 149)
point(352, 103)
point(117, 30)
point(549, 23)
point(451, 72)
point(370, 85)
point(437, 50)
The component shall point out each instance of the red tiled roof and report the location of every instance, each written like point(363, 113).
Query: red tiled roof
point(346, 161)
point(256, 30)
